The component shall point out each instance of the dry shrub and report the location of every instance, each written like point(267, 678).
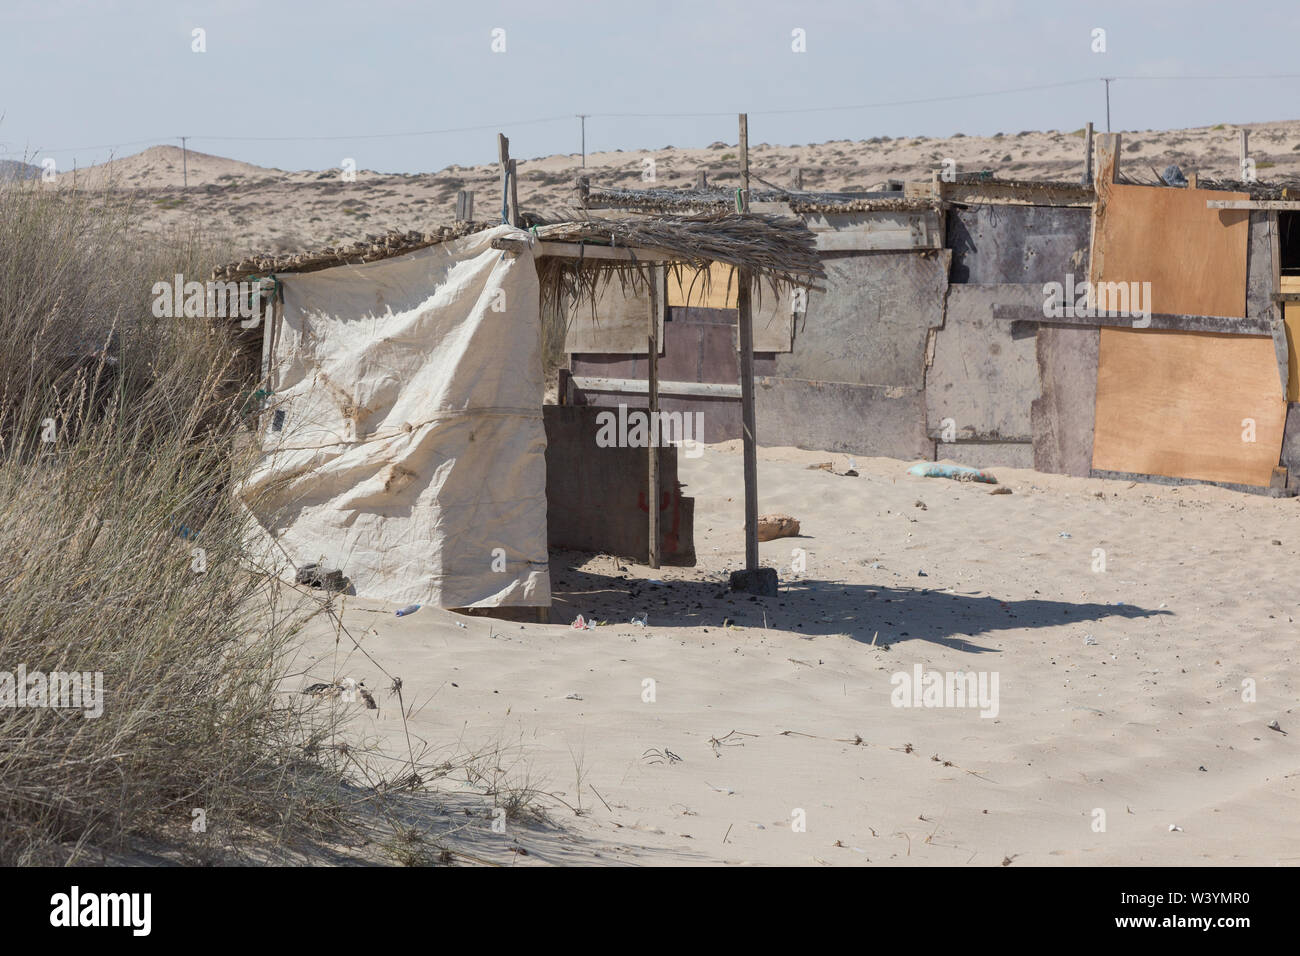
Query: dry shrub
point(120, 553)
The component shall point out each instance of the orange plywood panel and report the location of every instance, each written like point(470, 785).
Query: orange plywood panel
point(1188, 405)
point(1194, 257)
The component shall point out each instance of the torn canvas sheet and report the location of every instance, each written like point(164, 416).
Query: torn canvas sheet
point(405, 442)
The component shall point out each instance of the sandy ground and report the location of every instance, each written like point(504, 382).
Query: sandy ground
point(1118, 690)
point(272, 210)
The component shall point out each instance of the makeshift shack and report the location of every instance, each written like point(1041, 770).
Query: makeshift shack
point(402, 438)
point(941, 330)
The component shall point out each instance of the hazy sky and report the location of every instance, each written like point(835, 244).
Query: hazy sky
point(79, 75)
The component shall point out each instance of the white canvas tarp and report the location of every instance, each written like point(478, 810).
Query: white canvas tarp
point(406, 444)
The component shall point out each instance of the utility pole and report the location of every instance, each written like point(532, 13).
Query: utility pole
point(583, 118)
point(1106, 80)
point(185, 166)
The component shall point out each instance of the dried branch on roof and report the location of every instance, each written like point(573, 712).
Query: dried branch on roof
point(778, 251)
point(369, 250)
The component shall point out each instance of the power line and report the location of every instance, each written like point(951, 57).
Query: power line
point(881, 104)
point(865, 106)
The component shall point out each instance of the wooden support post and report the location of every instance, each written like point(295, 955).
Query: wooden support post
point(1107, 161)
point(798, 179)
point(702, 180)
point(464, 206)
point(1087, 155)
point(1243, 151)
point(503, 157)
point(744, 162)
point(656, 434)
point(745, 322)
point(514, 196)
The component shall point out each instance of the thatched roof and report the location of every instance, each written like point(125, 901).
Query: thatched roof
point(371, 249)
point(777, 251)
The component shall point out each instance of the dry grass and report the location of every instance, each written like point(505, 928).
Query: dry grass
point(122, 553)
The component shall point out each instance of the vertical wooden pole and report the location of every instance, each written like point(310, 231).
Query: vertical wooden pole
point(745, 324)
point(1243, 150)
point(514, 195)
point(1087, 155)
point(656, 434)
point(798, 179)
point(503, 157)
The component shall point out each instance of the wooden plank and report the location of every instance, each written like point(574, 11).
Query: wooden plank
point(1087, 155)
point(503, 159)
point(615, 323)
point(1256, 325)
point(1193, 257)
point(636, 386)
point(514, 195)
point(1181, 404)
point(1292, 328)
point(1281, 205)
point(1108, 145)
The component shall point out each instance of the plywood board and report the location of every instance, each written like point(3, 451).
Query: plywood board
point(773, 312)
point(1194, 257)
point(618, 323)
point(1176, 404)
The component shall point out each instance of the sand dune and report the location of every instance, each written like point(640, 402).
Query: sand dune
point(274, 210)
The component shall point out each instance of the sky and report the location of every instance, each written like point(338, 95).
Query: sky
point(305, 85)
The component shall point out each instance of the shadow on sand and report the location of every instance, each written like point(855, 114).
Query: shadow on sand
point(814, 607)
